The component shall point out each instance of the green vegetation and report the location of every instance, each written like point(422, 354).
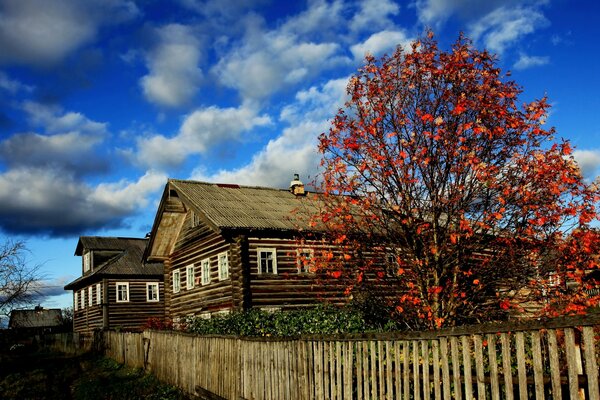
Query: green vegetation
point(40, 375)
point(320, 320)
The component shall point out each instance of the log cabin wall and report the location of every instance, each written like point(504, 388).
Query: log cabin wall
point(133, 314)
point(197, 242)
point(87, 318)
point(291, 287)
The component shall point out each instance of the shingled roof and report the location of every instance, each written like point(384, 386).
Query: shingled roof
point(128, 262)
point(226, 206)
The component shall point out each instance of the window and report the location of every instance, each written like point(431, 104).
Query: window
point(87, 261)
point(98, 293)
point(223, 264)
point(267, 261)
point(305, 260)
point(122, 292)
point(189, 277)
point(82, 298)
point(90, 296)
point(152, 291)
point(205, 271)
point(176, 281)
point(75, 301)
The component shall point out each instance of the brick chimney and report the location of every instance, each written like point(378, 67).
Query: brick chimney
point(297, 187)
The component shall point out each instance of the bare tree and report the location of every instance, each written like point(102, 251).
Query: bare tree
point(18, 278)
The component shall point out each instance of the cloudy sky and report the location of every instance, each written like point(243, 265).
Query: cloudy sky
point(102, 100)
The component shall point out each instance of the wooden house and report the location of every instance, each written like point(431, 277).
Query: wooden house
point(229, 247)
point(115, 290)
point(37, 321)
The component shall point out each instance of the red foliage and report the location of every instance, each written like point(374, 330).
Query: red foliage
point(433, 160)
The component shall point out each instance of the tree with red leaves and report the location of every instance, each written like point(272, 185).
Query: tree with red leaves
point(438, 184)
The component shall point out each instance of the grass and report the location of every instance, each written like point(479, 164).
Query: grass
point(40, 375)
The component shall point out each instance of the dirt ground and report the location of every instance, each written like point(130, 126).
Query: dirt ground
point(30, 374)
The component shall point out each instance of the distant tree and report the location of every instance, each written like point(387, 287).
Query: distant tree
point(67, 319)
point(438, 183)
point(18, 278)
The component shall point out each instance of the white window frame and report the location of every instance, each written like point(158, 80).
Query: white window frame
point(189, 277)
point(176, 280)
point(303, 266)
point(87, 261)
point(75, 300)
point(126, 284)
point(205, 271)
point(90, 295)
point(156, 287)
point(98, 293)
point(223, 264)
point(82, 298)
point(259, 258)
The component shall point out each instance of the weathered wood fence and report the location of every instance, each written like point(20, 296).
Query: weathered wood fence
point(554, 359)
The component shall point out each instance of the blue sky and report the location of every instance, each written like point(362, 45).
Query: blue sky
point(102, 100)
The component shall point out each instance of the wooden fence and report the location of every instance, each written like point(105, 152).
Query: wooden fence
point(555, 359)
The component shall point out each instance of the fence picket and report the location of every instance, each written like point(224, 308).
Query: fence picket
point(591, 365)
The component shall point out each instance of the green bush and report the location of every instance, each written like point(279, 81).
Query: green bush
point(319, 320)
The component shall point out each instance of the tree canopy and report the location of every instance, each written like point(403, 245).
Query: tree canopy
point(437, 181)
point(18, 278)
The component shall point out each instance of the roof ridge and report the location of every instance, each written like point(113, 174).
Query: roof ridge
point(224, 185)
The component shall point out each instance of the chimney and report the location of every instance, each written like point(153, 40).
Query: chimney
point(297, 187)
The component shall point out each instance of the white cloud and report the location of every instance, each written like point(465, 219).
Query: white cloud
point(67, 143)
point(265, 62)
point(199, 131)
point(38, 32)
point(589, 162)
point(526, 61)
point(436, 12)
point(381, 42)
point(295, 151)
point(13, 86)
point(54, 120)
point(49, 202)
point(504, 26)
point(374, 14)
point(174, 75)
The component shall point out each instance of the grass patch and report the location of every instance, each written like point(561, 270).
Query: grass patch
point(39, 375)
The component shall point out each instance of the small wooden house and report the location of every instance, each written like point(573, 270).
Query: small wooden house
point(37, 321)
point(229, 247)
point(115, 290)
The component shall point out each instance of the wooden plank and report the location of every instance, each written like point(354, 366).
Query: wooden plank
point(522, 372)
point(380, 370)
point(445, 360)
point(425, 364)
point(373, 367)
point(326, 369)
point(591, 364)
point(389, 390)
point(435, 361)
point(319, 388)
point(572, 361)
point(416, 377)
point(348, 369)
point(493, 363)
point(359, 371)
point(456, 367)
point(365, 354)
point(468, 371)
point(338, 371)
point(554, 363)
point(479, 367)
point(397, 370)
point(406, 372)
point(538, 367)
point(506, 366)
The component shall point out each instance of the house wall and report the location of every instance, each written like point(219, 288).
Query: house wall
point(88, 318)
point(289, 288)
point(195, 243)
point(133, 314)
